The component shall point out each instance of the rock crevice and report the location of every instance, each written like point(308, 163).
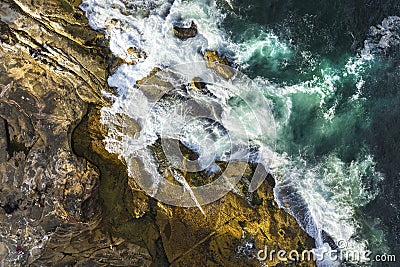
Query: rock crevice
point(63, 198)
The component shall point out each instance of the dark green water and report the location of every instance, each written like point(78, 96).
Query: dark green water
point(314, 42)
point(332, 81)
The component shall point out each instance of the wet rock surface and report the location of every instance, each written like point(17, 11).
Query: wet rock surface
point(64, 200)
point(49, 72)
point(186, 33)
point(218, 63)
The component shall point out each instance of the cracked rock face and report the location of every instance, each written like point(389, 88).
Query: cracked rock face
point(47, 76)
point(64, 200)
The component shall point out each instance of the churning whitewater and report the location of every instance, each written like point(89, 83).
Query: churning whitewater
point(322, 193)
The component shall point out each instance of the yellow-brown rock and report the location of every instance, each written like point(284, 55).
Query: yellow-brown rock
point(219, 64)
point(220, 238)
point(66, 201)
point(53, 66)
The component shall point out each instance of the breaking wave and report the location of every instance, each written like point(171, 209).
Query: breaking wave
point(322, 192)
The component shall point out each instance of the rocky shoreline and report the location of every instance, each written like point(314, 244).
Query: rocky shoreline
point(65, 201)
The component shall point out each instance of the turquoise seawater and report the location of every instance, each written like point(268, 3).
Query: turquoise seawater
point(354, 113)
point(330, 73)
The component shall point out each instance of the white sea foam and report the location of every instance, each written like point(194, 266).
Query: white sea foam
point(322, 196)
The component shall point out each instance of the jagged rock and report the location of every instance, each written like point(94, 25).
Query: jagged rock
point(186, 33)
point(219, 64)
point(126, 207)
point(231, 224)
point(49, 73)
point(63, 198)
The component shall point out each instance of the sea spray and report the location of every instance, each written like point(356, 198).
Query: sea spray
point(322, 193)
